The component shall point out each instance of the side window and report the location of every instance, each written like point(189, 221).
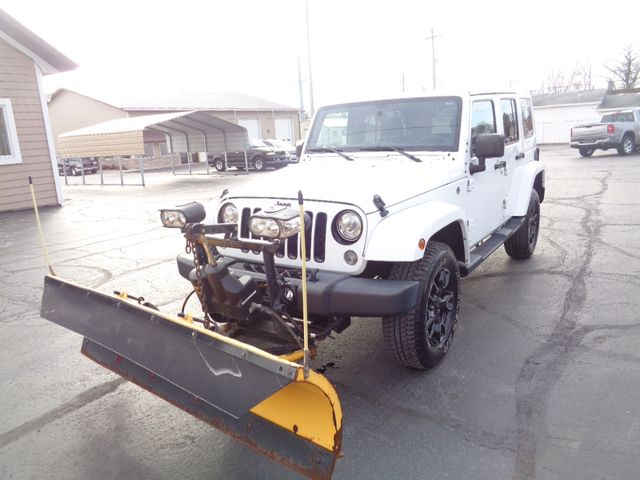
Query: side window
point(509, 120)
point(483, 120)
point(527, 118)
point(9, 146)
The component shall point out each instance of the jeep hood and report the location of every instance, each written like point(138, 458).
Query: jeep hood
point(355, 182)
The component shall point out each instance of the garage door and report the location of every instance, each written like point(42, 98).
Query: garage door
point(284, 130)
point(252, 125)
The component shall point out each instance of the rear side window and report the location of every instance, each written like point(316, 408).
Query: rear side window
point(527, 118)
point(483, 120)
point(509, 120)
point(618, 117)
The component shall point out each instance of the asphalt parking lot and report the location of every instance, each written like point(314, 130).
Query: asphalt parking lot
point(542, 380)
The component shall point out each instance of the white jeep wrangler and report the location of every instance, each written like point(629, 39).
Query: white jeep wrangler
point(403, 197)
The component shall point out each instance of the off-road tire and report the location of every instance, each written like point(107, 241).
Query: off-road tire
point(586, 152)
point(258, 164)
point(522, 244)
point(218, 164)
point(628, 145)
point(408, 337)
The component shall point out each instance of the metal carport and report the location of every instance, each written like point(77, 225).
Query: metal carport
point(185, 132)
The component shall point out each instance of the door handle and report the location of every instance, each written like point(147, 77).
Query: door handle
point(520, 156)
point(500, 164)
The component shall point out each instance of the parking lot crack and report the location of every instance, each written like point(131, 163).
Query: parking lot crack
point(79, 401)
point(543, 368)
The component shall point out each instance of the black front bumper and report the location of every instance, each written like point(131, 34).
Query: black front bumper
point(336, 294)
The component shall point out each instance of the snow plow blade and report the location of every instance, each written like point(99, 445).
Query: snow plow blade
point(257, 398)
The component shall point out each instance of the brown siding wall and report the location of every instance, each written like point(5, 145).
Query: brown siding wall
point(18, 82)
point(70, 111)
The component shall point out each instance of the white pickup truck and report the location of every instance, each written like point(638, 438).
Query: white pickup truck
point(619, 130)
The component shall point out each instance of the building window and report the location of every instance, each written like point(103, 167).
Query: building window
point(9, 146)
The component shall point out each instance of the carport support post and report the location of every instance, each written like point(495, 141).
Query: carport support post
point(142, 170)
point(64, 170)
point(206, 152)
point(100, 169)
point(173, 169)
point(186, 137)
point(224, 143)
point(82, 170)
point(120, 167)
point(246, 160)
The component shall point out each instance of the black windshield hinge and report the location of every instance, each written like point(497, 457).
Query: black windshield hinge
point(379, 203)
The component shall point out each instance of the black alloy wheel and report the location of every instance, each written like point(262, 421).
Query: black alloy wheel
point(522, 244)
point(421, 337)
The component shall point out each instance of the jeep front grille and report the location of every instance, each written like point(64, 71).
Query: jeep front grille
point(315, 237)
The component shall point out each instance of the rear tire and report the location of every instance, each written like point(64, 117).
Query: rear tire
point(522, 244)
point(421, 337)
point(628, 145)
point(586, 152)
point(218, 164)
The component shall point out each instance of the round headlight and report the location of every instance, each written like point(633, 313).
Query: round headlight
point(349, 226)
point(264, 227)
point(228, 214)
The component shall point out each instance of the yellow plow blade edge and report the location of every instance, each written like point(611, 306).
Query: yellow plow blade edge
point(260, 399)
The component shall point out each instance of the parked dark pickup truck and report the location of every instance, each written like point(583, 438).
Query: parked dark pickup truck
point(619, 130)
point(259, 156)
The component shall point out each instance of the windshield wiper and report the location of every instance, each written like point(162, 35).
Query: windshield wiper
point(386, 148)
point(329, 149)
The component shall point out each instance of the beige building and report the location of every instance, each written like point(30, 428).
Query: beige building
point(69, 111)
point(262, 118)
point(26, 141)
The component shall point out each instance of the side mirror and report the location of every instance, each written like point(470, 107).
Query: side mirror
point(299, 148)
point(487, 145)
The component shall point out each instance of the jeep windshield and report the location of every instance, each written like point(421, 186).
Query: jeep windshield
point(415, 124)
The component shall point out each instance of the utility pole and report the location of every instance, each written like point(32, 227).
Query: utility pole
point(306, 10)
point(300, 85)
point(433, 55)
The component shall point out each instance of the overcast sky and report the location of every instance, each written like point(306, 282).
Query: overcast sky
point(359, 48)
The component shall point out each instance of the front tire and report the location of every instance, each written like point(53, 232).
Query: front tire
point(586, 152)
point(522, 244)
point(628, 145)
point(421, 337)
point(258, 164)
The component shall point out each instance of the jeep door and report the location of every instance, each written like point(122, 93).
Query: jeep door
point(489, 188)
point(513, 151)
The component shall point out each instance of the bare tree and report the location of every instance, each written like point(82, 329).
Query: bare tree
point(627, 71)
point(585, 76)
point(559, 82)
